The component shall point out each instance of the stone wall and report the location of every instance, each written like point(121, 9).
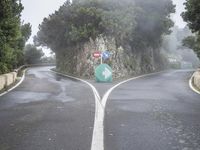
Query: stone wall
point(7, 79)
point(196, 79)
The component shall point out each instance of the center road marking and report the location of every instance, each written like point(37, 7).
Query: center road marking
point(100, 105)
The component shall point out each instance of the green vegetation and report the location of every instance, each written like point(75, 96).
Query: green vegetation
point(193, 42)
point(32, 54)
point(13, 35)
point(139, 24)
point(191, 16)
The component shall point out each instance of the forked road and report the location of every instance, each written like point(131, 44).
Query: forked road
point(47, 111)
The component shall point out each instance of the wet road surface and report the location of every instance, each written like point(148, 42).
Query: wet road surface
point(158, 112)
point(51, 112)
point(47, 112)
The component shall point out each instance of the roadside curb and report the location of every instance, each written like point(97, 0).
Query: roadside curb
point(192, 86)
point(16, 85)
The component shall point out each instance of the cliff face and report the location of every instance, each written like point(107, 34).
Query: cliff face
point(124, 61)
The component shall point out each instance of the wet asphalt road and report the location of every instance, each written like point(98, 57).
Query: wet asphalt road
point(158, 112)
point(47, 112)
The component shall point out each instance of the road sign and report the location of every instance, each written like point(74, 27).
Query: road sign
point(106, 55)
point(97, 54)
point(103, 73)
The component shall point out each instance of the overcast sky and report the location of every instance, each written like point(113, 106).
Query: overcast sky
point(35, 10)
point(179, 9)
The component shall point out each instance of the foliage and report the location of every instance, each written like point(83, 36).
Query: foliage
point(138, 24)
point(191, 16)
point(32, 54)
point(50, 59)
point(133, 21)
point(193, 42)
point(153, 20)
point(12, 35)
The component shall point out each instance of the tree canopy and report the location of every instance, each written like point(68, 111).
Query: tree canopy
point(137, 22)
point(32, 55)
point(191, 16)
point(193, 42)
point(13, 35)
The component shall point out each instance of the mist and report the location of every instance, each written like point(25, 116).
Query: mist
point(172, 45)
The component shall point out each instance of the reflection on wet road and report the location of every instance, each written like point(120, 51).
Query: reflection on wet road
point(47, 111)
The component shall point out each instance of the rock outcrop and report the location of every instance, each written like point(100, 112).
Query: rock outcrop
point(124, 61)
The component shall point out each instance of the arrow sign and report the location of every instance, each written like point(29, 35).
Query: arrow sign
point(106, 73)
point(103, 73)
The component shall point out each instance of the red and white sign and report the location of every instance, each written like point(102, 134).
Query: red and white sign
point(97, 54)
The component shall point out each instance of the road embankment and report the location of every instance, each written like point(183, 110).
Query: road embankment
point(7, 80)
point(196, 79)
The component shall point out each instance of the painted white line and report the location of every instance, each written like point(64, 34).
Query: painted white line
point(97, 137)
point(93, 88)
point(191, 85)
point(98, 132)
point(9, 90)
point(106, 95)
point(100, 105)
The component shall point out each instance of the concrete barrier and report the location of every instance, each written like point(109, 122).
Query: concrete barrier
point(7, 79)
point(2, 82)
point(196, 79)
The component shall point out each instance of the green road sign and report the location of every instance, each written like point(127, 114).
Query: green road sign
point(103, 73)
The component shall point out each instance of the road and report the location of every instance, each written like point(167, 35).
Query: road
point(158, 112)
point(48, 111)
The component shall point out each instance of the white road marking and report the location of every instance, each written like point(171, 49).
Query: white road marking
point(100, 105)
point(98, 137)
point(21, 80)
point(191, 85)
point(106, 95)
point(106, 73)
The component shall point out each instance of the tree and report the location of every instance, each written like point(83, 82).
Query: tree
point(32, 54)
point(25, 30)
point(193, 42)
point(153, 20)
point(191, 16)
point(11, 35)
point(137, 23)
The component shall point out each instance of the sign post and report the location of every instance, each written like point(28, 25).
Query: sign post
point(103, 73)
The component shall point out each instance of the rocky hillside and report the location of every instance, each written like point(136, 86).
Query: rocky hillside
point(123, 61)
point(131, 30)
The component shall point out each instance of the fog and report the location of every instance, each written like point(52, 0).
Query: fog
point(172, 45)
point(35, 11)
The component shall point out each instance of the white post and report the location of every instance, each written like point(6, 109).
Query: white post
point(101, 59)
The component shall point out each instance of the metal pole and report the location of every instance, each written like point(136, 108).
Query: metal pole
point(101, 59)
